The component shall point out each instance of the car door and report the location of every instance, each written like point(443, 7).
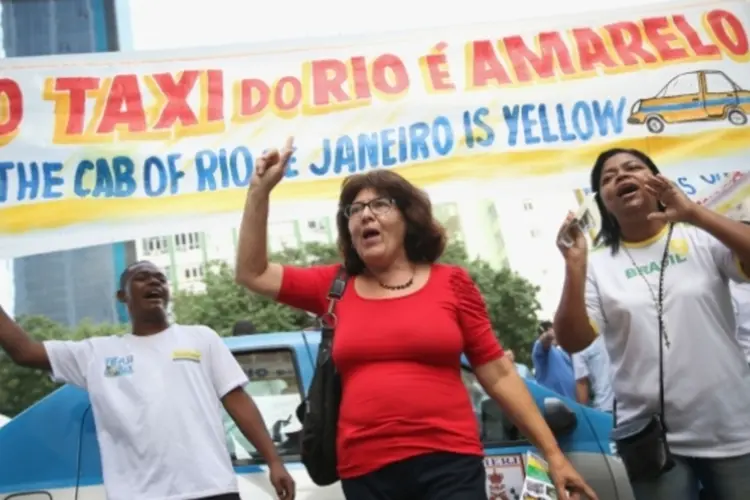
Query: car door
point(720, 94)
point(680, 100)
point(505, 447)
point(276, 387)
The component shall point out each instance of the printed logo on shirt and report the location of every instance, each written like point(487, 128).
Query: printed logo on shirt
point(118, 366)
point(655, 265)
point(679, 246)
point(186, 355)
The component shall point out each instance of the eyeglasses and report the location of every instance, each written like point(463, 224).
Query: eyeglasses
point(378, 206)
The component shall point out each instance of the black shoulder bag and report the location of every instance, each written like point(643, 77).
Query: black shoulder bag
point(642, 443)
point(319, 413)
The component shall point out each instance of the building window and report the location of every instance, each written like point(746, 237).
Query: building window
point(187, 241)
point(527, 205)
point(194, 273)
point(155, 246)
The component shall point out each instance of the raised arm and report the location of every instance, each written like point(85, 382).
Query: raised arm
point(253, 270)
point(21, 348)
point(571, 323)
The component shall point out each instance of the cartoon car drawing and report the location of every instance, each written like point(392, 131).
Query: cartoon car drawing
point(693, 96)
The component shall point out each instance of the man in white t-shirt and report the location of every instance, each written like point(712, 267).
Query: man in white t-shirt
point(156, 397)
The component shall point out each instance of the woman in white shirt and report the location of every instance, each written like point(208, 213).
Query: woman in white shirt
point(657, 287)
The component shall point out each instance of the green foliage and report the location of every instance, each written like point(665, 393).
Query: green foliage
point(226, 303)
point(20, 387)
point(511, 300)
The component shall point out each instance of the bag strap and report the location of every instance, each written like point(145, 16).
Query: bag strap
point(662, 333)
point(328, 320)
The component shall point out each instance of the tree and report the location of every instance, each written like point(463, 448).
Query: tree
point(511, 299)
point(21, 387)
point(224, 302)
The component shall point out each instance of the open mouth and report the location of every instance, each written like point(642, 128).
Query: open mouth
point(370, 234)
point(626, 188)
point(154, 294)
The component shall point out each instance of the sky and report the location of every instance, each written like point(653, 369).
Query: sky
point(228, 22)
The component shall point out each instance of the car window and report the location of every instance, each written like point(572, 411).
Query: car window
point(276, 389)
point(686, 84)
point(495, 427)
point(718, 83)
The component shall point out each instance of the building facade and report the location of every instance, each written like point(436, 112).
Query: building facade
point(68, 286)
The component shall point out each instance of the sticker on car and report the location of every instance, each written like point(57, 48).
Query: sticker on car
point(505, 476)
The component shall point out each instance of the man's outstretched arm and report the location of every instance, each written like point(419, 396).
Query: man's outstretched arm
point(21, 348)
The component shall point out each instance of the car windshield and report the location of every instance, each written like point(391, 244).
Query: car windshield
point(275, 388)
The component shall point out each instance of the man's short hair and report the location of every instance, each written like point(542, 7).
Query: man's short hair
point(125, 276)
point(544, 326)
point(243, 327)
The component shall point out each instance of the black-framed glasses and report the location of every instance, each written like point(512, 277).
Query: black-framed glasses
point(378, 206)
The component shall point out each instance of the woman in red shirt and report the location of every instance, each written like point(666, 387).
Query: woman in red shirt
point(407, 429)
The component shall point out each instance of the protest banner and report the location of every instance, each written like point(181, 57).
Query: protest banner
point(98, 148)
point(731, 197)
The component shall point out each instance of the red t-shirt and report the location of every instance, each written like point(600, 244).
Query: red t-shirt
point(399, 360)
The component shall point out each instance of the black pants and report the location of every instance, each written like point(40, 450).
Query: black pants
point(436, 476)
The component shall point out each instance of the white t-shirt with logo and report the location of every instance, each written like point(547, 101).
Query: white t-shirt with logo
point(706, 376)
point(156, 405)
point(741, 300)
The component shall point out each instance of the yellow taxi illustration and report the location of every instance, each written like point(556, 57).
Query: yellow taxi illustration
point(693, 96)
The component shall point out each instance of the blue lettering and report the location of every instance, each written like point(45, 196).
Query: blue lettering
point(442, 136)
point(206, 164)
point(323, 169)
point(418, 134)
point(466, 120)
point(223, 168)
point(403, 150)
point(607, 117)
point(386, 143)
point(547, 135)
point(241, 174)
point(175, 174)
point(52, 180)
point(386, 148)
point(582, 125)
point(291, 170)
point(28, 181)
point(4, 187)
point(528, 123)
point(345, 156)
point(478, 119)
point(712, 179)
point(124, 171)
point(80, 176)
point(565, 135)
point(688, 188)
point(512, 118)
point(105, 183)
point(154, 166)
point(368, 154)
